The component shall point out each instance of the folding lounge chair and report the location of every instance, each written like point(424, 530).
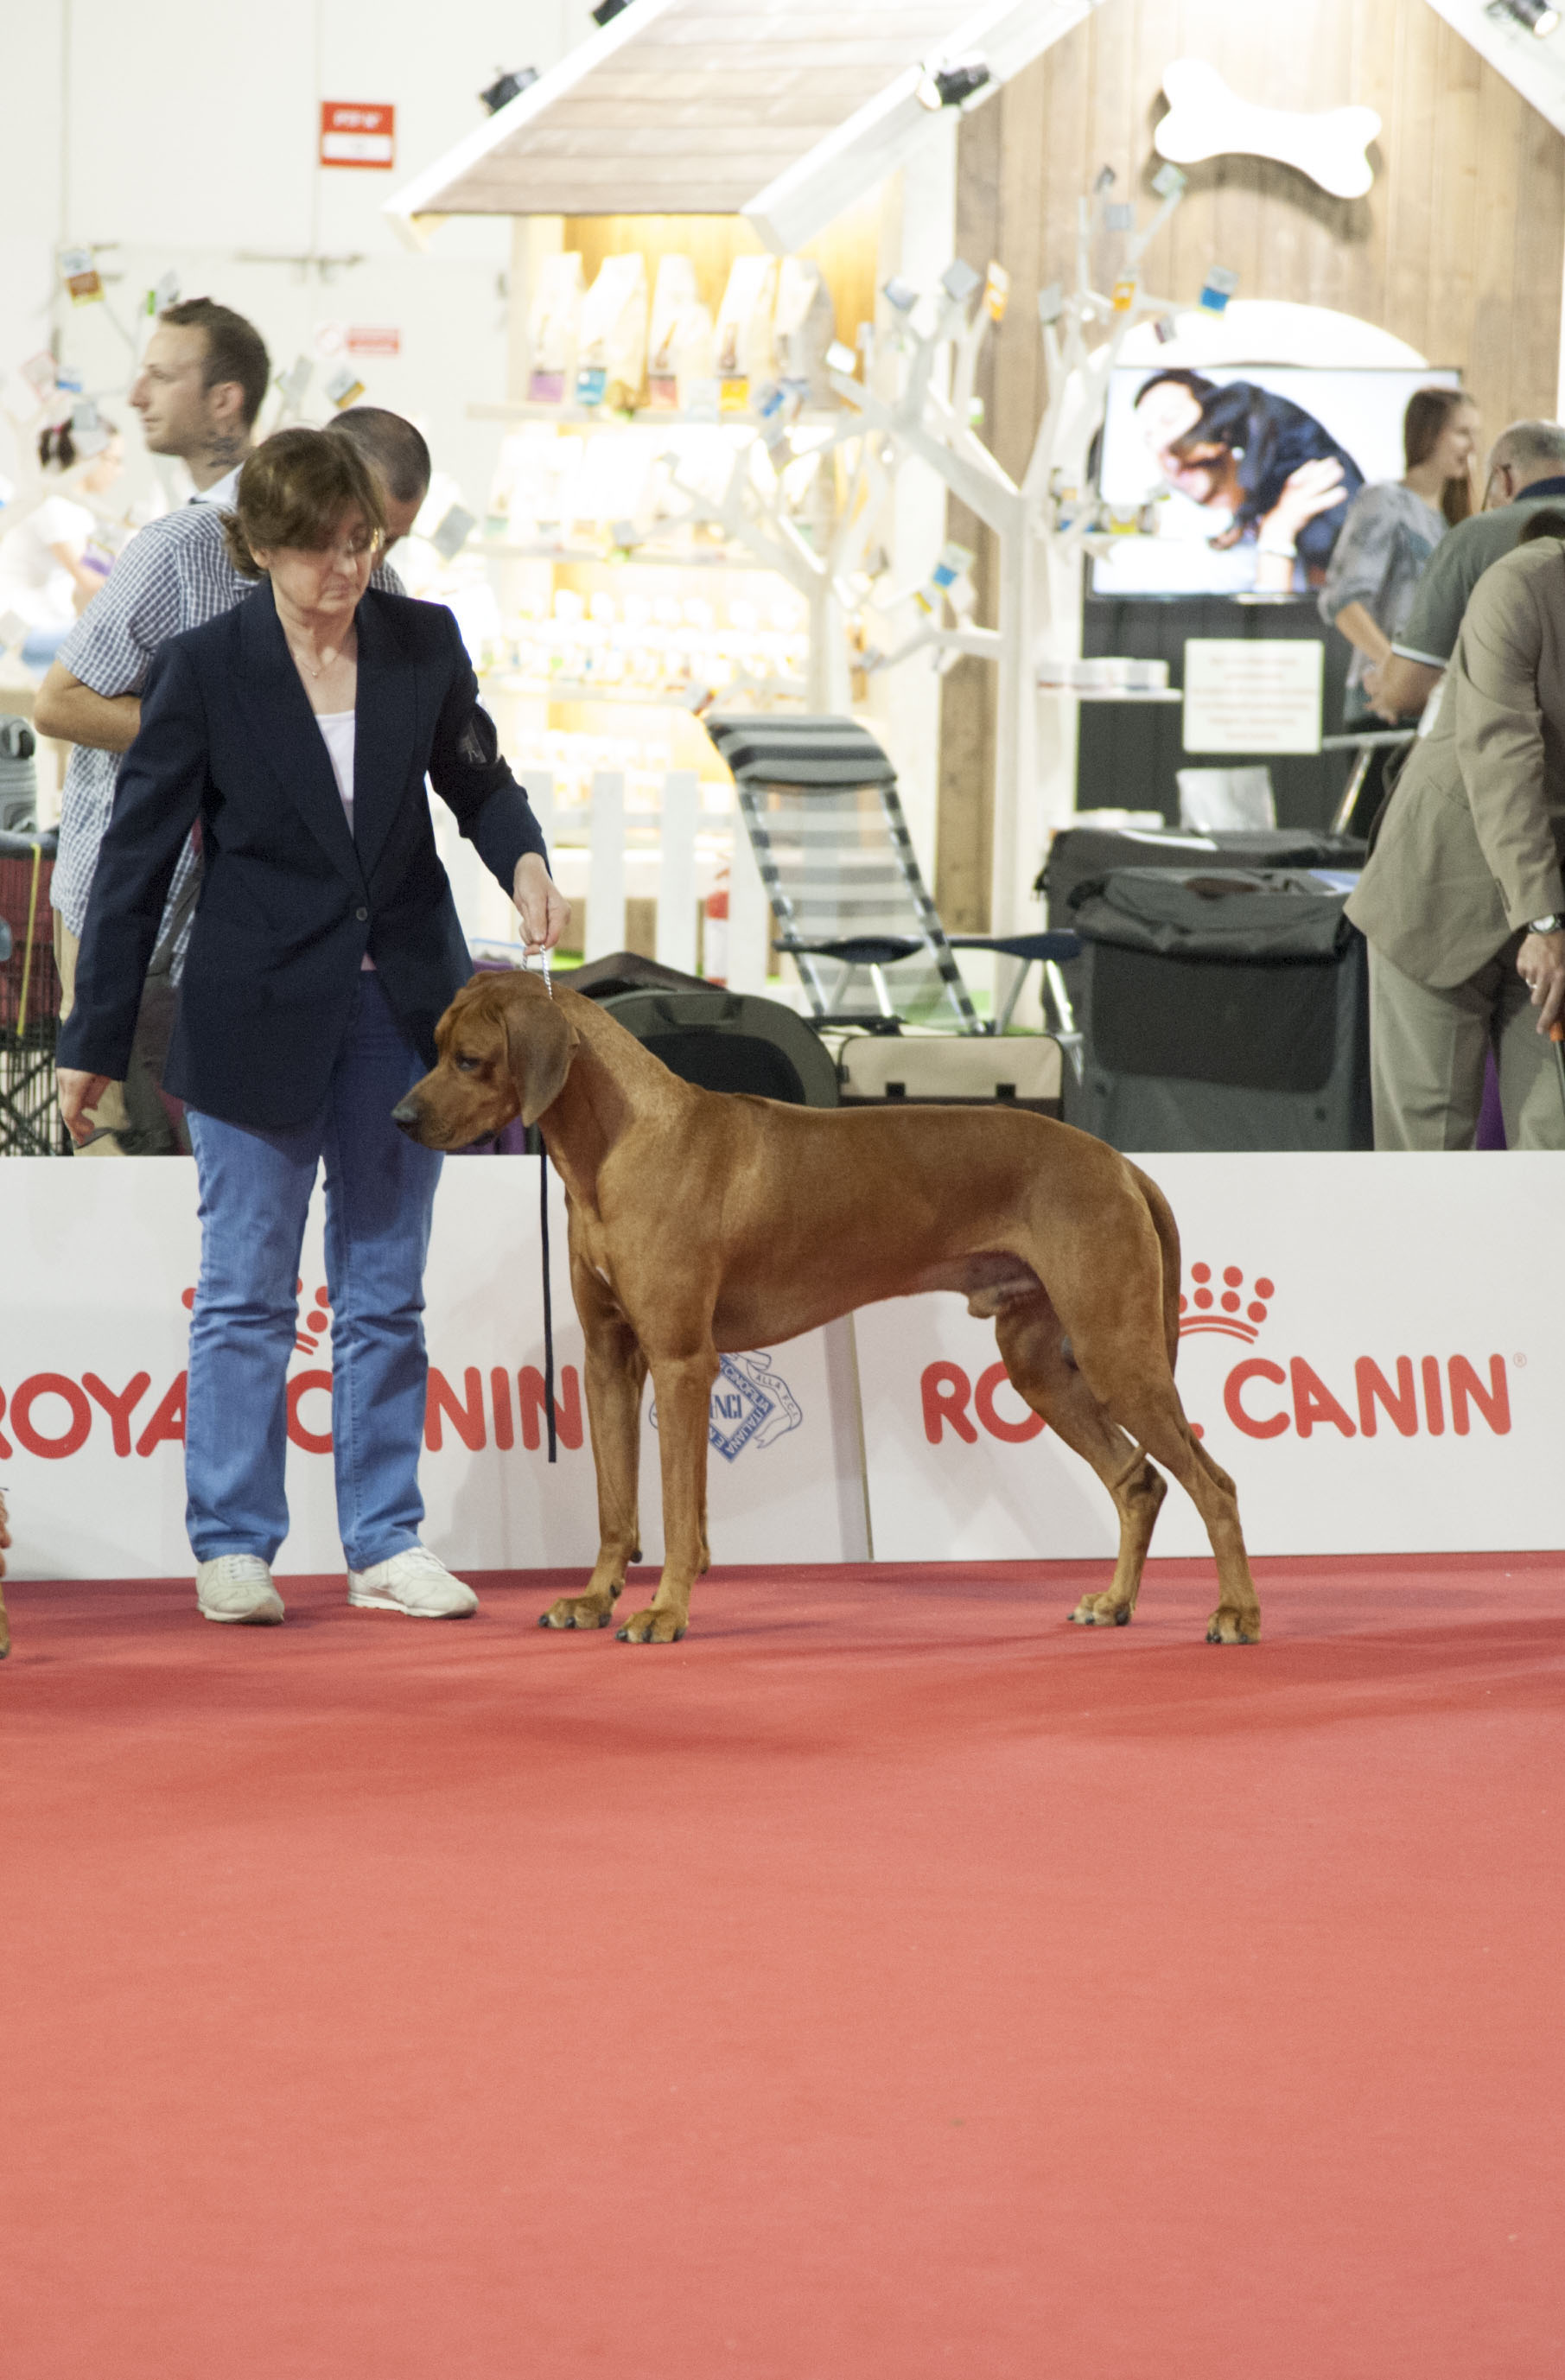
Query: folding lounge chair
point(820, 803)
point(819, 798)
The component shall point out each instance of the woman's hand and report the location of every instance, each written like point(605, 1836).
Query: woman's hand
point(542, 907)
point(79, 1095)
point(1540, 963)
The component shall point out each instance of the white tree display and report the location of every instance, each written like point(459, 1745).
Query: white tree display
point(1044, 522)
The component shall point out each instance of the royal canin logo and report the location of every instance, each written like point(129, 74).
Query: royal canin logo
point(1261, 1398)
point(1221, 1310)
point(54, 1416)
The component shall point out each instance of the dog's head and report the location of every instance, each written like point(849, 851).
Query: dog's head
point(505, 1048)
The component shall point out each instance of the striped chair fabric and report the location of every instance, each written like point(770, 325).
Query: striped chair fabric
point(819, 798)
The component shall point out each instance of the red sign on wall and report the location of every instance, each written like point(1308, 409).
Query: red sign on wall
point(354, 132)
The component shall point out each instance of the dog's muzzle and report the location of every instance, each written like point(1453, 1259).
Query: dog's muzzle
point(406, 1118)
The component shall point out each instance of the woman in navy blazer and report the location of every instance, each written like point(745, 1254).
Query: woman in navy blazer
point(295, 733)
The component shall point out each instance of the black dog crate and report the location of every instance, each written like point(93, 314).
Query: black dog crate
point(730, 1041)
point(1079, 855)
point(1221, 1009)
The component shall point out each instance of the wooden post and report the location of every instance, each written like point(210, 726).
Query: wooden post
point(676, 871)
point(605, 884)
point(749, 918)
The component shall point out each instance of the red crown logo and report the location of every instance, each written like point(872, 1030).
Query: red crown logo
point(1224, 1309)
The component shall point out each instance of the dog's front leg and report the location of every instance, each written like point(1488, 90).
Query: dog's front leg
point(616, 1371)
point(683, 1386)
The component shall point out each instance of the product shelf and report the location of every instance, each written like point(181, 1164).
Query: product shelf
point(1112, 694)
point(648, 417)
point(501, 549)
point(688, 698)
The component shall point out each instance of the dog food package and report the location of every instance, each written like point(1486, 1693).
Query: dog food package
point(503, 490)
point(552, 329)
point(695, 363)
point(533, 495)
point(805, 325)
point(677, 290)
point(612, 358)
point(743, 329)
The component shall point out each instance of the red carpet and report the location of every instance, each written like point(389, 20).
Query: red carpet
point(889, 1981)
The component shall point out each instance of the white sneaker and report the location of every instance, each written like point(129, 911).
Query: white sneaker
point(238, 1587)
point(416, 1581)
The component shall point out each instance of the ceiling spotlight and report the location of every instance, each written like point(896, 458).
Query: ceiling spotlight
point(1536, 15)
point(607, 10)
point(504, 87)
point(950, 86)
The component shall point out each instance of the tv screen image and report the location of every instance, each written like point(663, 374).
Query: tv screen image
point(1218, 458)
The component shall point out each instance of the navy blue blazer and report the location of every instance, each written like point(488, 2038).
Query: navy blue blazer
point(291, 899)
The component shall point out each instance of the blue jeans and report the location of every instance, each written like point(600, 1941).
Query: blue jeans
point(255, 1189)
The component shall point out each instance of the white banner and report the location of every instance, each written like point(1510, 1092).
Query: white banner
point(1374, 1346)
point(100, 1259)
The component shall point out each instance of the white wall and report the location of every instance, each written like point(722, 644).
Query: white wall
point(186, 132)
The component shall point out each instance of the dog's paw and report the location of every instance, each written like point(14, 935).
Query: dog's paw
point(576, 1612)
point(1234, 1628)
point(1100, 1611)
point(652, 1627)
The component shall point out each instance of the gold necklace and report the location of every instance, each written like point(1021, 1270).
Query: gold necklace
point(313, 669)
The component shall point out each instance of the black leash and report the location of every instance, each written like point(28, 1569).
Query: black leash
point(548, 1298)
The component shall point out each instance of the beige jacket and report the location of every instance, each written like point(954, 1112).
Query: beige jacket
point(1469, 845)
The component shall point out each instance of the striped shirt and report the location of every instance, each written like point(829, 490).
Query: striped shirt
point(175, 575)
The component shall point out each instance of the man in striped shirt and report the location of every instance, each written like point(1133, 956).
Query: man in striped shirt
point(201, 386)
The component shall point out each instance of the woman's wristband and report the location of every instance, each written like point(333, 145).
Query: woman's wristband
point(1275, 541)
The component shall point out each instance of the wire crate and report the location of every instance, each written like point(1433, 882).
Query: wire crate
point(30, 1001)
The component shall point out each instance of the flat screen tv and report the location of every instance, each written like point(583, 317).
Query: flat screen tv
point(1207, 460)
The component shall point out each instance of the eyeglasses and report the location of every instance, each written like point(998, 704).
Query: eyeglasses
point(353, 549)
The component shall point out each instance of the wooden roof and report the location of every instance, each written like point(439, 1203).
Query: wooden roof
point(710, 106)
point(780, 112)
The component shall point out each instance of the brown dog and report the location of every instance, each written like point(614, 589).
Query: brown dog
point(702, 1221)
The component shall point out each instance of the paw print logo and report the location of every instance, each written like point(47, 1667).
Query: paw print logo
point(1227, 1308)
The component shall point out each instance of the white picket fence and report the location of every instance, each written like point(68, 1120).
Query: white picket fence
point(606, 855)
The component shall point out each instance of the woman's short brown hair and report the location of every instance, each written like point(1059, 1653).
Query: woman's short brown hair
point(293, 491)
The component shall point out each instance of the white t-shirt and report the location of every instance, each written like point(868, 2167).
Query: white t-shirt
point(336, 734)
point(33, 584)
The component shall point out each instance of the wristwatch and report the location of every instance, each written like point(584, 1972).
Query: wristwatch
point(1553, 924)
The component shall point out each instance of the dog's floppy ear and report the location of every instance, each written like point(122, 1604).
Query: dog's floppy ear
point(539, 1045)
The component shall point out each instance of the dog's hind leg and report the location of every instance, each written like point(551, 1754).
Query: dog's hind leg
point(616, 1372)
point(683, 1386)
point(1153, 1411)
point(1037, 1357)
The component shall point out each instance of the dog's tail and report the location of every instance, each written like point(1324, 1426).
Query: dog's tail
point(1167, 1240)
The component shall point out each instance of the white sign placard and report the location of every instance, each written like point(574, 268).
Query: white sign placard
point(101, 1256)
point(1253, 695)
point(1373, 1346)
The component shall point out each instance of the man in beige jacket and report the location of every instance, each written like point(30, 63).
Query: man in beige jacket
point(1462, 900)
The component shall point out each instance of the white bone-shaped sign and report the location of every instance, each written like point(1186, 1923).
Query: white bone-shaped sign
point(1206, 119)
